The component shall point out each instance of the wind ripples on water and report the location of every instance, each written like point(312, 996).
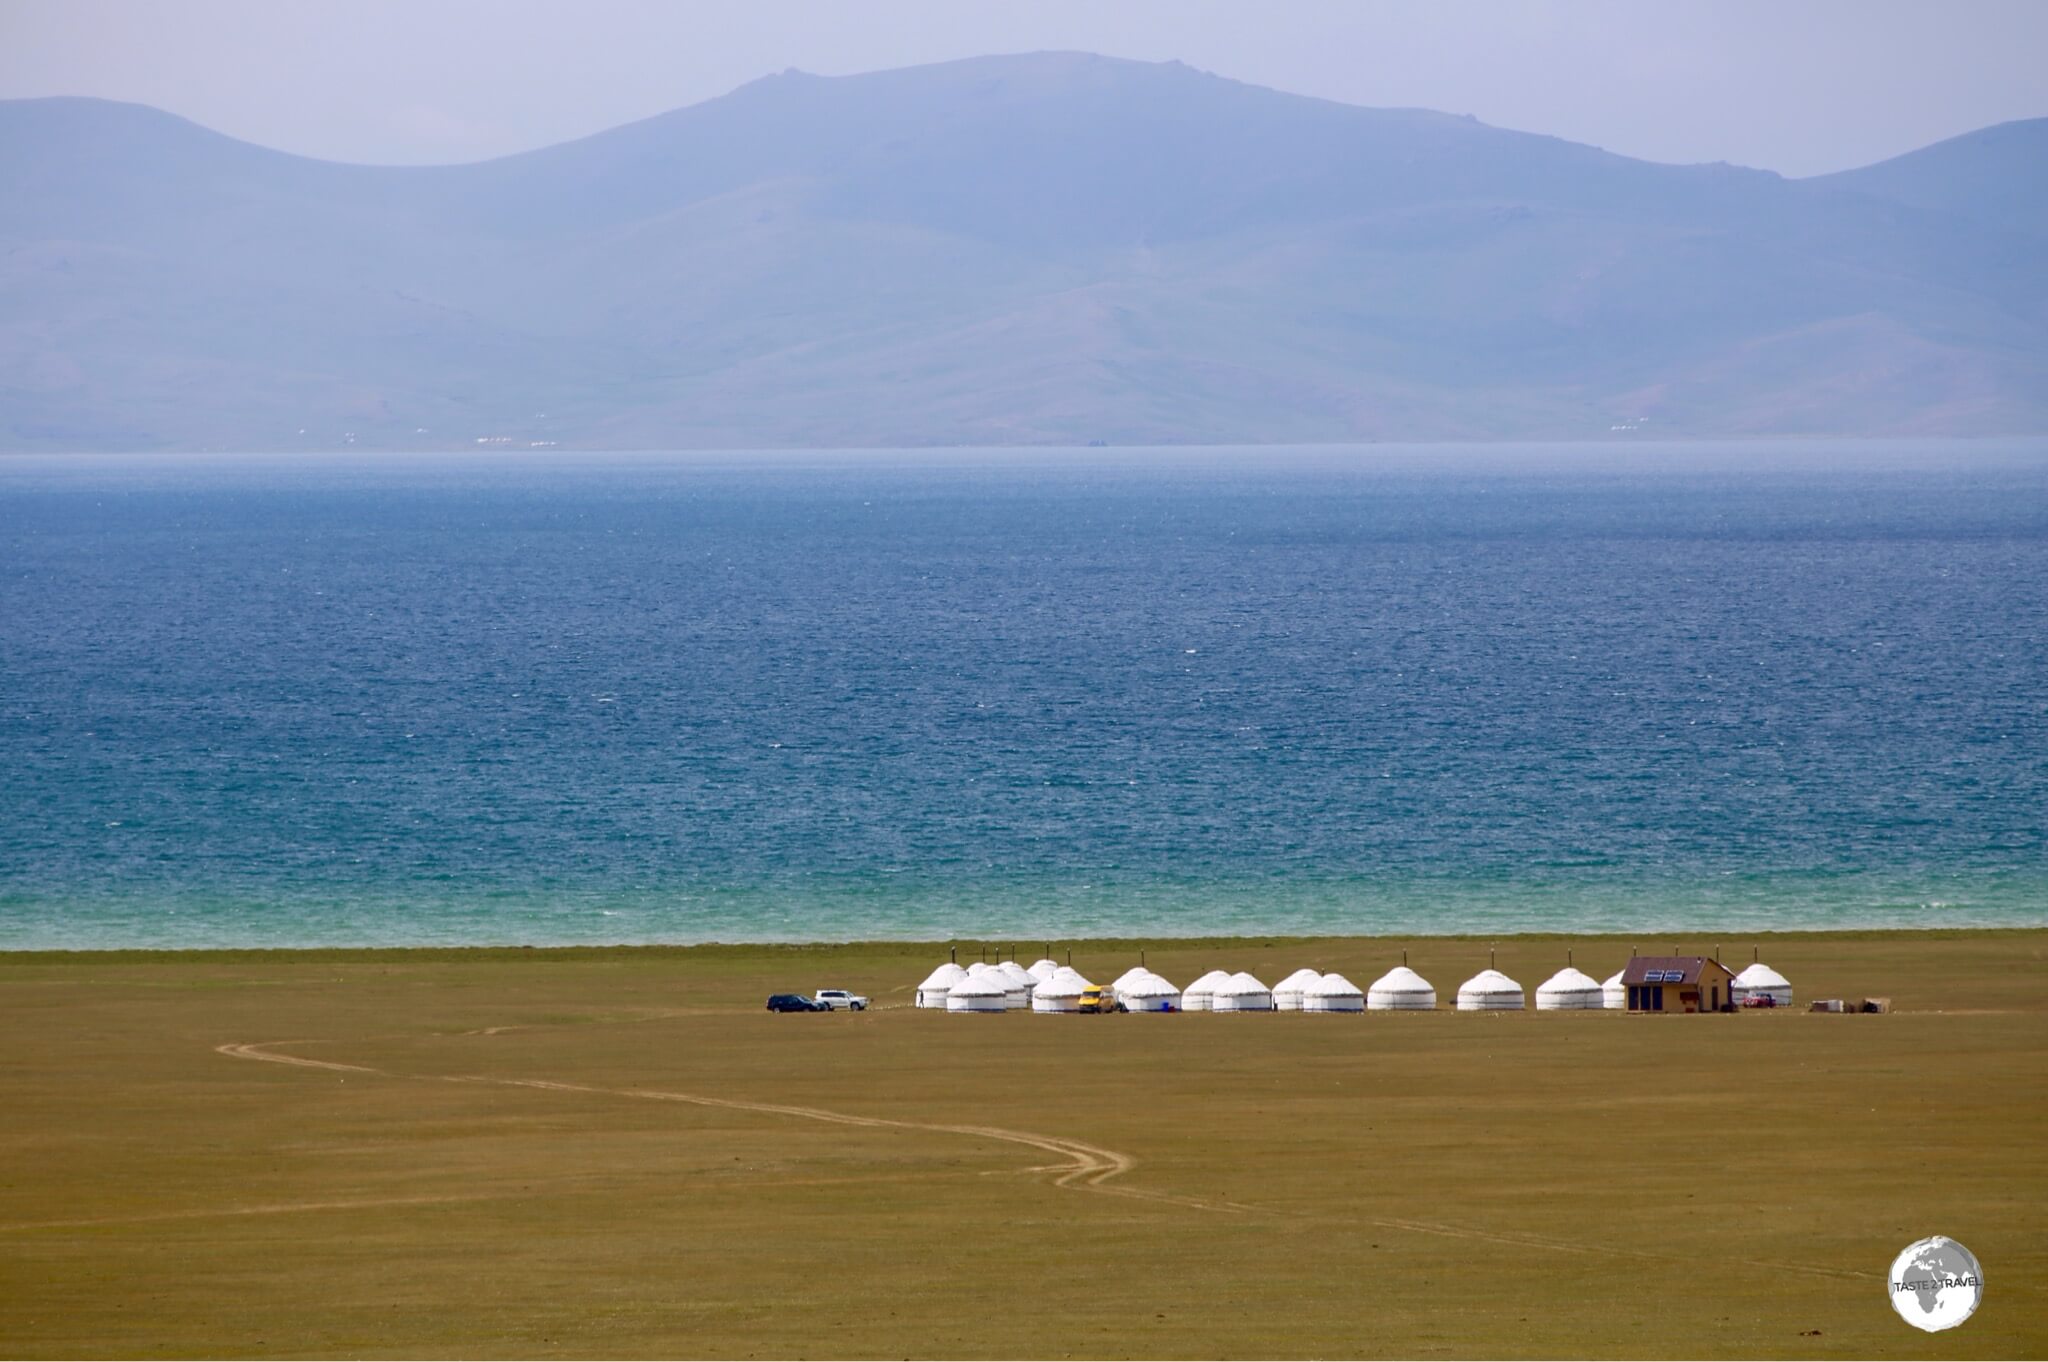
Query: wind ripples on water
point(684, 698)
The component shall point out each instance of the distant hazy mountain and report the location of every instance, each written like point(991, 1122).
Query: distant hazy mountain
point(1046, 248)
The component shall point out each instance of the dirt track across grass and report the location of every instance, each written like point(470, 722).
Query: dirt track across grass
point(619, 1153)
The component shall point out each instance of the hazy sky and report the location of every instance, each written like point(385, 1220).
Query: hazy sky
point(1798, 86)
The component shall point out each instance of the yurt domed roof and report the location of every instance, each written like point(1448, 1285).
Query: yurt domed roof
point(1016, 973)
point(1334, 986)
point(1134, 972)
point(979, 968)
point(1301, 978)
point(1488, 981)
point(1065, 984)
point(985, 985)
point(945, 976)
point(1208, 981)
point(1147, 985)
point(1569, 980)
point(1042, 970)
point(1401, 979)
point(1240, 983)
point(1615, 980)
point(1761, 975)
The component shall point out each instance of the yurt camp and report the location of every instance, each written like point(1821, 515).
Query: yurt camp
point(1569, 990)
point(932, 992)
point(1061, 993)
point(1240, 993)
point(984, 992)
point(1287, 993)
point(1760, 980)
point(1490, 991)
point(1195, 997)
point(1332, 993)
point(1400, 989)
point(1149, 993)
point(1678, 983)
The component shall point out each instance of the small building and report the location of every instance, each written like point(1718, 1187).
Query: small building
point(1678, 983)
point(1400, 989)
point(1129, 976)
point(1760, 980)
point(1332, 993)
point(985, 992)
point(1195, 998)
point(1018, 975)
point(1061, 993)
point(1149, 993)
point(932, 992)
point(1241, 992)
point(1287, 994)
point(1569, 990)
point(1490, 991)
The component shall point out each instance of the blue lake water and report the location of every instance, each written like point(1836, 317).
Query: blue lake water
point(1021, 696)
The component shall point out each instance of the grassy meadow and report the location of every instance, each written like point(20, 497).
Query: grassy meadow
point(619, 1153)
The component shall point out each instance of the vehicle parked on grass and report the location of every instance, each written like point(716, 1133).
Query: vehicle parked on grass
point(1099, 998)
point(834, 999)
point(794, 1002)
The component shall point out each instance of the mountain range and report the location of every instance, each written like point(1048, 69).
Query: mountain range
point(1051, 248)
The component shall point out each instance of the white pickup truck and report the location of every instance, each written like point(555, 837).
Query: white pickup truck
point(837, 999)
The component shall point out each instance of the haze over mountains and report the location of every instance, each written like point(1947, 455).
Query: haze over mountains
point(1052, 248)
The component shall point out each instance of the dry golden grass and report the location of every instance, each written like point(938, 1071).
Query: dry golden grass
point(1416, 1185)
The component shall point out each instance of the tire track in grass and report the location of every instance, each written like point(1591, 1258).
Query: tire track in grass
point(1088, 1167)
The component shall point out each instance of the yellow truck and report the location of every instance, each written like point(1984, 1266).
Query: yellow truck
point(1098, 998)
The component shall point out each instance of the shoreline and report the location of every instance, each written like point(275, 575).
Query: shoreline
point(1651, 942)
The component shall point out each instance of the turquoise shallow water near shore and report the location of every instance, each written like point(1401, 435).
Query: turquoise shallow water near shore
point(698, 697)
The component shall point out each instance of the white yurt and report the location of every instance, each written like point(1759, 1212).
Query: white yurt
point(1195, 997)
point(1044, 970)
point(1287, 993)
point(1019, 976)
point(1149, 993)
point(932, 992)
point(984, 992)
point(1016, 996)
point(1332, 993)
point(1761, 978)
point(1490, 991)
point(1400, 989)
point(1130, 975)
point(1061, 993)
point(1240, 993)
point(1614, 993)
point(1569, 990)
